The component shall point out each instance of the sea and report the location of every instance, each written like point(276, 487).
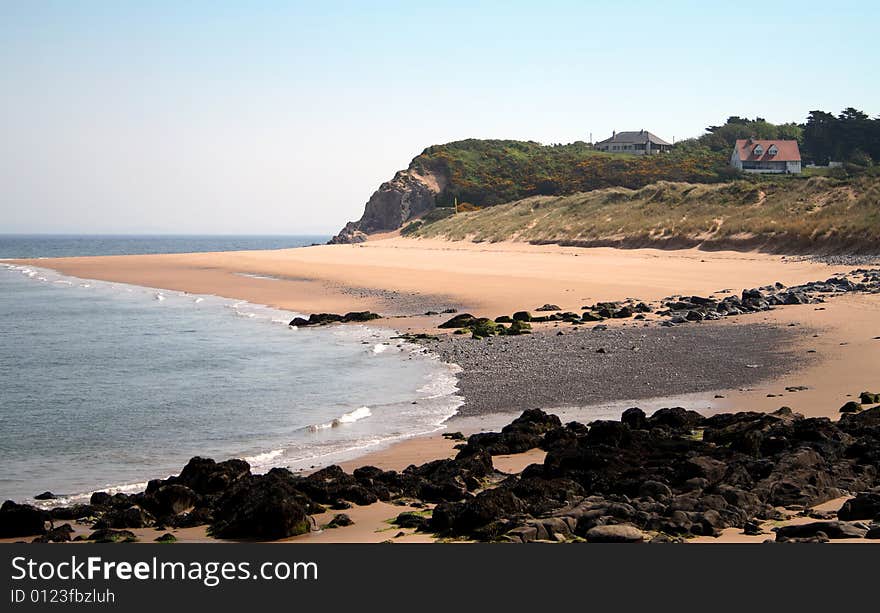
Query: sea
point(104, 386)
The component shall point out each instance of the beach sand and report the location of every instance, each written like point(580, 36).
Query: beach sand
point(396, 275)
point(401, 277)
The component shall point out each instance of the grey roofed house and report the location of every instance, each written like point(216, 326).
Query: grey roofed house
point(639, 143)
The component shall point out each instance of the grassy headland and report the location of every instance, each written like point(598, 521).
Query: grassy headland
point(481, 173)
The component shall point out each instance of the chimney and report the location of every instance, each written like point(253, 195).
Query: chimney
point(613, 133)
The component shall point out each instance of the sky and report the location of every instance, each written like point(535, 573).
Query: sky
point(283, 117)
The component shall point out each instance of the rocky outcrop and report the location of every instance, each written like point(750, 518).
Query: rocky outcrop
point(410, 194)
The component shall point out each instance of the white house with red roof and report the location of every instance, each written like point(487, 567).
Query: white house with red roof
point(771, 156)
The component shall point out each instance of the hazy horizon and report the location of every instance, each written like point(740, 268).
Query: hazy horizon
point(266, 119)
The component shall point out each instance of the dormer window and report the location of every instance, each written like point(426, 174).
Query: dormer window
point(772, 150)
point(758, 150)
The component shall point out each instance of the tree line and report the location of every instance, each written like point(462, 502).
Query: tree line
point(850, 137)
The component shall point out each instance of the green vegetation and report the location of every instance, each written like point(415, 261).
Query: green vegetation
point(721, 139)
point(482, 173)
point(851, 137)
point(794, 213)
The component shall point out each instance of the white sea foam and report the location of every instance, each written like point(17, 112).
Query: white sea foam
point(198, 300)
point(380, 347)
point(345, 418)
point(159, 296)
point(63, 501)
point(263, 460)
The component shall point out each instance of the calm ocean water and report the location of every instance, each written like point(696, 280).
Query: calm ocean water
point(106, 385)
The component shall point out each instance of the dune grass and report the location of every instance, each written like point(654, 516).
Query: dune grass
point(784, 214)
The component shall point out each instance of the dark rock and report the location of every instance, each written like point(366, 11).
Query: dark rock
point(869, 398)
point(45, 496)
point(522, 316)
point(832, 529)
point(22, 520)
point(205, 476)
point(635, 418)
point(463, 320)
point(166, 538)
point(676, 417)
point(59, 534)
point(866, 505)
point(851, 407)
point(656, 490)
point(171, 499)
point(107, 535)
point(261, 507)
point(409, 519)
point(548, 307)
point(485, 508)
point(340, 520)
point(129, 517)
point(100, 499)
point(76, 511)
point(360, 316)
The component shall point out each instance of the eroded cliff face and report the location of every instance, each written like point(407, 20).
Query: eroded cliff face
point(410, 194)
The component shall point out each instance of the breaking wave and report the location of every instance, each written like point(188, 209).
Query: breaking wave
point(345, 418)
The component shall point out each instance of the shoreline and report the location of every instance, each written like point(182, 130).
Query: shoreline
point(840, 325)
point(242, 271)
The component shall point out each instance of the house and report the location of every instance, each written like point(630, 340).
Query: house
point(771, 156)
point(638, 143)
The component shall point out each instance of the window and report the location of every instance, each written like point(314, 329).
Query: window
point(758, 150)
point(772, 150)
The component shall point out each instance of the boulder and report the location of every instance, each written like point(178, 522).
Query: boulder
point(205, 476)
point(869, 398)
point(866, 505)
point(408, 519)
point(100, 499)
point(851, 407)
point(340, 520)
point(133, 516)
point(548, 307)
point(264, 507)
point(172, 499)
point(360, 316)
point(634, 418)
point(615, 533)
point(22, 520)
point(108, 535)
point(462, 320)
point(656, 490)
point(832, 529)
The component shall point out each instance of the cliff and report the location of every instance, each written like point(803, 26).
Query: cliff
point(410, 194)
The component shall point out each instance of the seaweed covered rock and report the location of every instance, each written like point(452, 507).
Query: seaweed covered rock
point(462, 320)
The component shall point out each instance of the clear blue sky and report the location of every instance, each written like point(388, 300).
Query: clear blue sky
point(283, 117)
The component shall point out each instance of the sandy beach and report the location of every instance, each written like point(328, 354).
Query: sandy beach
point(398, 276)
point(829, 352)
point(402, 279)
